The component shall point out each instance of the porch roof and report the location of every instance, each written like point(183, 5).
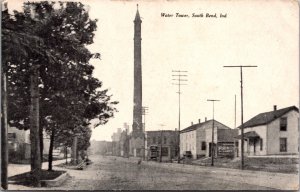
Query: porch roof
point(250, 134)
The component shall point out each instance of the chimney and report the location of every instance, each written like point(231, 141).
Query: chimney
point(199, 120)
point(192, 123)
point(275, 107)
point(205, 119)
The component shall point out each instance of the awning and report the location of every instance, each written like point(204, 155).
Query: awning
point(250, 134)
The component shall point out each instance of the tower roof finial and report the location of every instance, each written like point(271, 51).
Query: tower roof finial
point(137, 16)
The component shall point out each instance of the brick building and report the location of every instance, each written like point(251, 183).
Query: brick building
point(166, 142)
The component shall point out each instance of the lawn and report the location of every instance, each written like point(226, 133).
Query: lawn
point(27, 178)
point(270, 164)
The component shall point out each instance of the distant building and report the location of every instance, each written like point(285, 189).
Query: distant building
point(165, 141)
point(272, 133)
point(124, 143)
point(116, 147)
point(100, 147)
point(197, 139)
point(18, 144)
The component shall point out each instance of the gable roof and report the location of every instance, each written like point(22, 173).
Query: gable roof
point(227, 135)
point(267, 117)
point(194, 127)
point(199, 125)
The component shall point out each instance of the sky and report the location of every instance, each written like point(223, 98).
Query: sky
point(262, 33)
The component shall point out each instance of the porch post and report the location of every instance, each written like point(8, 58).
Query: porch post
point(248, 146)
point(234, 148)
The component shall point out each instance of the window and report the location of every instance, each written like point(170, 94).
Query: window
point(261, 144)
point(164, 151)
point(283, 124)
point(159, 140)
point(11, 136)
point(165, 140)
point(283, 145)
point(203, 145)
point(154, 140)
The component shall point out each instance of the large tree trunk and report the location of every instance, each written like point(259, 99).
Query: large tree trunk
point(34, 128)
point(4, 127)
point(74, 160)
point(50, 157)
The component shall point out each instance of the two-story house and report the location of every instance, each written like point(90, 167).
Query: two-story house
point(272, 133)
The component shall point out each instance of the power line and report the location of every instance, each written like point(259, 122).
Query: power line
point(179, 76)
point(242, 113)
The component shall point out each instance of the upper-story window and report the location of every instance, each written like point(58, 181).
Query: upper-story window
point(283, 124)
point(154, 140)
point(165, 140)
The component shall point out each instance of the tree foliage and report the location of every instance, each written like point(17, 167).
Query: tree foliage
point(54, 37)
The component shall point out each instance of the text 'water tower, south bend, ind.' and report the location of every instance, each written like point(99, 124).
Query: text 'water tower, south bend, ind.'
point(137, 148)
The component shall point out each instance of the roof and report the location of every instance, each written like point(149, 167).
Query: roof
point(227, 135)
point(250, 134)
point(198, 125)
point(267, 117)
point(161, 131)
point(137, 15)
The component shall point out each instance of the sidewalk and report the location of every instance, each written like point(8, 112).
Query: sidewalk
point(15, 169)
point(281, 181)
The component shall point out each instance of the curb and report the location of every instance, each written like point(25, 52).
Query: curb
point(57, 181)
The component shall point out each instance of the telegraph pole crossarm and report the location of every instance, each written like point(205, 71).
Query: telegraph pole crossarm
point(242, 113)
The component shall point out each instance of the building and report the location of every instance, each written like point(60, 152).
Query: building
point(116, 147)
point(100, 147)
point(124, 143)
point(165, 141)
point(136, 142)
point(197, 139)
point(272, 133)
point(18, 144)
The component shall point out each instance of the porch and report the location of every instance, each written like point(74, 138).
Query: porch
point(253, 144)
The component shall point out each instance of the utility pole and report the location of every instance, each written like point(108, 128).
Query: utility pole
point(242, 113)
point(160, 154)
point(234, 111)
point(4, 127)
point(213, 132)
point(179, 77)
point(144, 113)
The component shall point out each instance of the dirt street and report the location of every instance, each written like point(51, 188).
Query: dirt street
point(120, 173)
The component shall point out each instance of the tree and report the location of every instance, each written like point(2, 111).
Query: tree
point(65, 81)
point(14, 42)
